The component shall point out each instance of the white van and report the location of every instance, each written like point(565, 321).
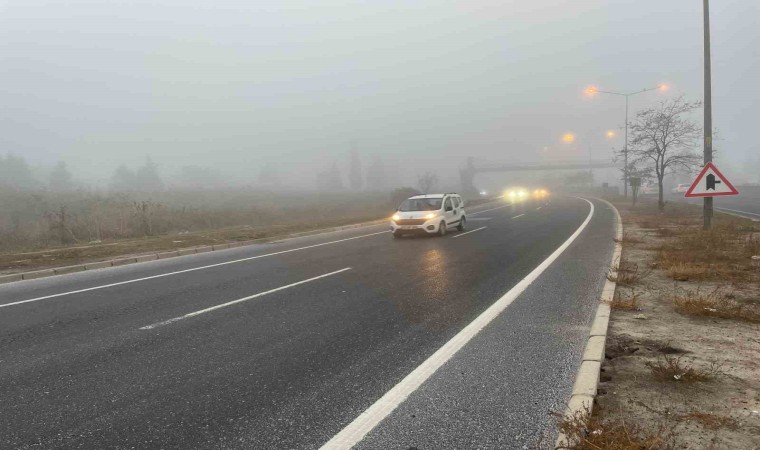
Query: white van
point(429, 214)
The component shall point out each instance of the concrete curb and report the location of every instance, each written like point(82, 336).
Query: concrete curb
point(587, 379)
point(171, 254)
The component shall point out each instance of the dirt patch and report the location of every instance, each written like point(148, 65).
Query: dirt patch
point(682, 366)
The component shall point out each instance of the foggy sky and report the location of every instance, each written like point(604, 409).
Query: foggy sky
point(237, 85)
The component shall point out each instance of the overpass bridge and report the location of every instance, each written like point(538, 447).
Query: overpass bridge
point(467, 175)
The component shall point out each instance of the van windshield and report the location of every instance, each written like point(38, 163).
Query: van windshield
point(420, 204)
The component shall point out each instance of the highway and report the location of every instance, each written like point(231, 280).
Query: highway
point(746, 204)
point(287, 344)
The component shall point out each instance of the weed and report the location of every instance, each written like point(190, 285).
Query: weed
point(722, 252)
point(687, 272)
point(625, 303)
point(714, 303)
point(711, 421)
point(671, 368)
point(752, 245)
point(627, 273)
point(586, 432)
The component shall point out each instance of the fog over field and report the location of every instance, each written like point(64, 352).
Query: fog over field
point(287, 88)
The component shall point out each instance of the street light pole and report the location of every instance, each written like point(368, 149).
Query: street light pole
point(593, 90)
point(625, 152)
point(708, 201)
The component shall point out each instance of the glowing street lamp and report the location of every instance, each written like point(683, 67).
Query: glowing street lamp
point(568, 138)
point(593, 90)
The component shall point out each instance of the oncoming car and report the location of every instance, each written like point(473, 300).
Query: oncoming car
point(429, 214)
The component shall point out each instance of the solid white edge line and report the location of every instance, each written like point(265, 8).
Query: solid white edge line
point(585, 378)
point(468, 232)
point(538, 208)
point(738, 211)
point(187, 270)
point(515, 217)
point(354, 432)
point(240, 300)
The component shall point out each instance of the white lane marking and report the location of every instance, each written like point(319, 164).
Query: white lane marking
point(479, 219)
point(737, 211)
point(187, 270)
point(492, 209)
point(354, 432)
point(468, 232)
point(240, 300)
point(515, 217)
point(538, 208)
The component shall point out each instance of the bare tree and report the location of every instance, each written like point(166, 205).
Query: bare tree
point(664, 139)
point(427, 181)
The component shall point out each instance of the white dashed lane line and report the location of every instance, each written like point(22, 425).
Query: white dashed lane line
point(244, 299)
point(468, 232)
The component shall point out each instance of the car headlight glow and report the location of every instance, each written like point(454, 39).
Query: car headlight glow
point(395, 217)
point(430, 216)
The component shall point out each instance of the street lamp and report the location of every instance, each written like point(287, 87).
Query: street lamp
point(593, 90)
point(570, 137)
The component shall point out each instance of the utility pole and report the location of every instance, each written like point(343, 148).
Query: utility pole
point(708, 205)
point(625, 152)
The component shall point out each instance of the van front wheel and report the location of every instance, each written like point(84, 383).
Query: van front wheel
point(442, 229)
point(462, 224)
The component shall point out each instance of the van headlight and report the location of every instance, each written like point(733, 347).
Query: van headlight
point(430, 216)
point(395, 217)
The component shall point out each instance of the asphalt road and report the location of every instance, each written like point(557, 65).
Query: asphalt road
point(746, 204)
point(282, 345)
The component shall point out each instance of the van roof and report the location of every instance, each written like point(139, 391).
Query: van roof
point(430, 196)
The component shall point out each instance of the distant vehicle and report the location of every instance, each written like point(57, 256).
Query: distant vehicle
point(516, 194)
point(681, 188)
point(648, 189)
point(429, 214)
point(520, 194)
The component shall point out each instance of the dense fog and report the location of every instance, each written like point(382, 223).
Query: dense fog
point(287, 94)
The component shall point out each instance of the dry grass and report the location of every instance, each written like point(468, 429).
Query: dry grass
point(711, 421)
point(39, 220)
point(752, 245)
point(627, 273)
point(714, 303)
point(723, 252)
point(673, 368)
point(587, 432)
point(681, 271)
point(625, 303)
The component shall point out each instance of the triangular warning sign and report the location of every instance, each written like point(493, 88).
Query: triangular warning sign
point(710, 183)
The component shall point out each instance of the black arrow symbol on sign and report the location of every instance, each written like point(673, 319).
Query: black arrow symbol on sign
point(711, 182)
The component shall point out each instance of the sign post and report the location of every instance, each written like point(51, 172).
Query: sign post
point(708, 201)
point(635, 185)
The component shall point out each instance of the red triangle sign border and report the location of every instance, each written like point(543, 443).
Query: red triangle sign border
point(697, 180)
